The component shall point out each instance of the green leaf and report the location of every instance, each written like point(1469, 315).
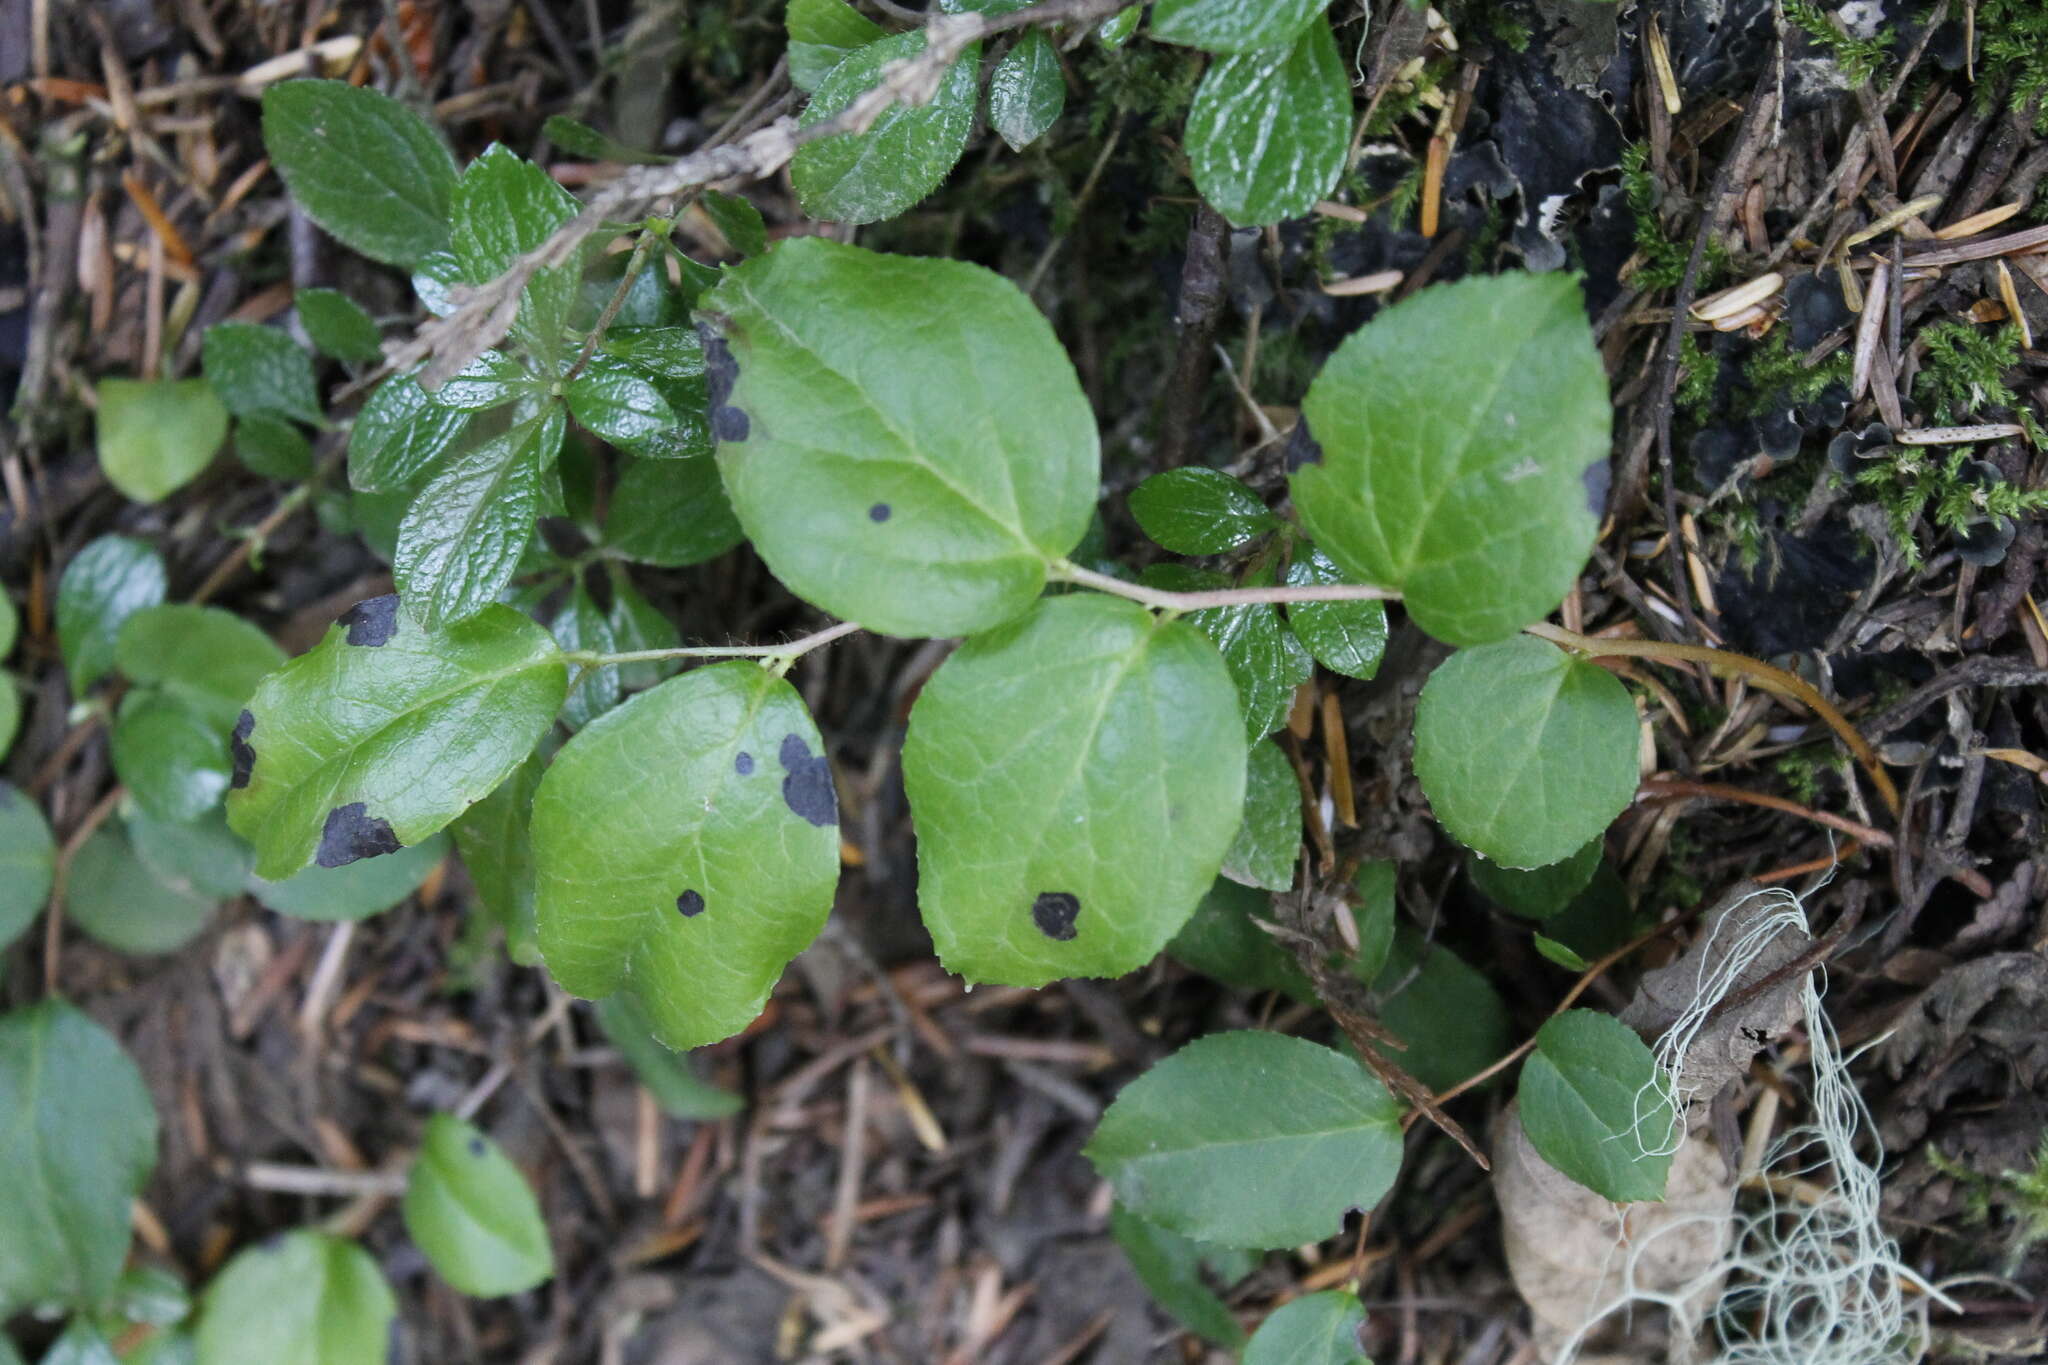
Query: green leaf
point(693, 881)
point(473, 1214)
point(338, 325)
point(1315, 1329)
point(104, 584)
point(1268, 843)
point(357, 890)
point(1266, 662)
point(1551, 950)
point(868, 411)
point(151, 1295)
point(496, 845)
point(28, 862)
point(504, 207)
point(155, 435)
point(274, 448)
point(78, 1146)
point(1170, 1266)
point(1344, 637)
point(738, 220)
point(614, 402)
point(435, 279)
point(398, 434)
point(462, 538)
point(904, 154)
point(580, 139)
point(10, 711)
point(363, 166)
point(637, 625)
point(10, 625)
point(1481, 512)
point(1590, 1106)
point(1075, 778)
point(580, 625)
point(1378, 885)
point(200, 859)
point(1268, 131)
point(1233, 25)
point(208, 659)
point(1250, 1139)
point(260, 372)
point(670, 513)
point(1526, 752)
point(1537, 892)
point(1599, 919)
point(1116, 30)
point(492, 379)
point(1027, 91)
point(117, 898)
point(1221, 941)
point(668, 1076)
point(172, 761)
point(1197, 511)
point(305, 1298)
point(664, 352)
point(386, 731)
point(821, 34)
point(1442, 1007)
point(81, 1344)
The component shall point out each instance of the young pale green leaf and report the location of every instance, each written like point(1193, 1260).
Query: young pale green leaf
point(1315, 1329)
point(741, 224)
point(357, 890)
point(1537, 892)
point(1591, 1109)
point(1446, 1011)
point(200, 859)
point(338, 325)
point(1344, 637)
point(1233, 25)
point(670, 513)
point(472, 1212)
point(83, 1343)
point(78, 1145)
point(1526, 752)
point(363, 166)
point(904, 154)
point(1250, 1139)
point(1075, 778)
point(115, 897)
point(1481, 512)
point(1553, 951)
point(1268, 130)
point(821, 35)
point(504, 207)
point(1027, 91)
point(582, 625)
point(1171, 1267)
point(28, 862)
point(387, 731)
point(1198, 511)
point(208, 659)
point(1221, 940)
point(496, 845)
point(155, 435)
point(104, 584)
point(1269, 841)
point(260, 372)
point(462, 538)
point(637, 625)
point(399, 433)
point(693, 881)
point(903, 439)
point(613, 401)
point(668, 1076)
point(274, 448)
point(173, 762)
point(1116, 30)
point(305, 1298)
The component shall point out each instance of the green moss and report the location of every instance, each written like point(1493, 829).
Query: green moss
point(2021, 1196)
point(1660, 257)
point(2012, 54)
point(1154, 81)
point(1923, 480)
point(1778, 375)
point(1861, 59)
point(1699, 372)
point(1494, 20)
point(1800, 770)
point(1965, 370)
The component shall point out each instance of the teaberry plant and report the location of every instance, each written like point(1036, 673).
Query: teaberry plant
point(906, 446)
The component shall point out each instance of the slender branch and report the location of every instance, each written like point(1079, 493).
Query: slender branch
point(785, 653)
point(1066, 572)
point(1717, 791)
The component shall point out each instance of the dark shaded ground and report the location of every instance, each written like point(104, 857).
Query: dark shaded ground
point(905, 1183)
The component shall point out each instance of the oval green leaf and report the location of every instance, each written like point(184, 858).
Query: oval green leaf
point(28, 861)
point(1269, 841)
point(1221, 940)
point(670, 513)
point(1592, 1109)
point(904, 154)
point(821, 35)
point(173, 763)
point(1250, 1139)
point(1026, 92)
point(1344, 637)
point(1526, 752)
point(1233, 25)
point(1199, 511)
point(1172, 1266)
point(208, 659)
point(358, 890)
point(305, 1298)
point(1537, 892)
point(1452, 1020)
point(1075, 778)
point(104, 584)
point(462, 538)
point(667, 1075)
point(690, 881)
point(260, 372)
point(1269, 129)
point(117, 898)
point(202, 859)
point(362, 166)
point(338, 325)
point(386, 731)
point(155, 435)
point(504, 207)
point(1315, 1329)
point(496, 844)
point(399, 434)
point(1481, 512)
point(903, 439)
point(473, 1213)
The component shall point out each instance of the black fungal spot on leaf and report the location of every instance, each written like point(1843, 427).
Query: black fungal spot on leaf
point(476, 1146)
point(743, 764)
point(879, 512)
point(1054, 912)
point(808, 788)
point(240, 750)
point(350, 833)
point(691, 904)
point(1302, 447)
point(372, 622)
point(1597, 478)
point(721, 373)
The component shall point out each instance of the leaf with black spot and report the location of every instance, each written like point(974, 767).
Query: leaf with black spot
point(473, 1213)
point(361, 750)
point(685, 849)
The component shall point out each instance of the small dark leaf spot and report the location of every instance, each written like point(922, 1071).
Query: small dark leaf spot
point(1302, 447)
point(721, 374)
point(476, 1146)
point(240, 751)
point(1596, 478)
point(1755, 1035)
point(743, 764)
point(879, 512)
point(1054, 912)
point(373, 622)
point(350, 833)
point(691, 904)
point(730, 425)
point(808, 788)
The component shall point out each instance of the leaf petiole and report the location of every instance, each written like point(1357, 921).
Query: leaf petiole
point(780, 657)
point(1063, 571)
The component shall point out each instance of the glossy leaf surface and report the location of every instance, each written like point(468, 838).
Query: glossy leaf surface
point(1199, 511)
point(904, 154)
point(461, 539)
point(104, 584)
point(362, 166)
point(399, 434)
point(1269, 841)
point(1233, 25)
point(821, 34)
point(260, 372)
point(1026, 92)
point(1268, 131)
point(1344, 637)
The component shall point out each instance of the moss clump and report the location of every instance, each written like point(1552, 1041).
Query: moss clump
point(1777, 375)
point(2012, 54)
point(1861, 59)
point(1660, 258)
